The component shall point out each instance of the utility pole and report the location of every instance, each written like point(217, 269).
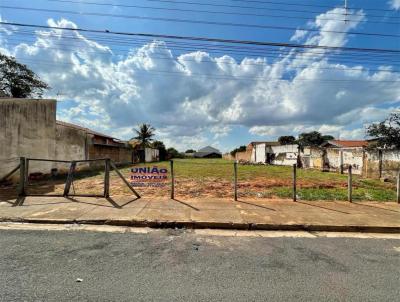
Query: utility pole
point(345, 11)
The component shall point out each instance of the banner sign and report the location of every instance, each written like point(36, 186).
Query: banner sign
point(151, 176)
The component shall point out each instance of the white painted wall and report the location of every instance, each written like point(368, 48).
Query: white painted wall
point(347, 157)
point(285, 155)
point(258, 154)
point(151, 155)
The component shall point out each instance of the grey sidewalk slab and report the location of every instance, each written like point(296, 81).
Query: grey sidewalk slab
point(207, 212)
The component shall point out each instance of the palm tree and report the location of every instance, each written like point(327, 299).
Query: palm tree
point(144, 134)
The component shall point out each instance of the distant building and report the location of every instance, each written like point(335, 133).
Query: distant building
point(340, 154)
point(74, 141)
point(261, 151)
point(345, 144)
point(141, 154)
point(208, 152)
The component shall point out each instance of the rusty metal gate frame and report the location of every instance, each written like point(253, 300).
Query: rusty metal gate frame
point(109, 164)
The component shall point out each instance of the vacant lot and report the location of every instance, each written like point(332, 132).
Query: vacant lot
point(195, 178)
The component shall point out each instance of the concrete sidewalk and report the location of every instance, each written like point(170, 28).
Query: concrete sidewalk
point(256, 214)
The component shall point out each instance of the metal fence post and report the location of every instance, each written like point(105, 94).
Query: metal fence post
point(294, 182)
point(235, 179)
point(341, 163)
point(350, 185)
point(22, 177)
point(172, 180)
point(69, 178)
point(26, 171)
point(107, 178)
point(398, 187)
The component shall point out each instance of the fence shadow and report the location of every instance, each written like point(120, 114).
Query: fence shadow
point(90, 203)
point(368, 205)
point(19, 201)
point(313, 205)
point(256, 205)
point(186, 204)
point(128, 202)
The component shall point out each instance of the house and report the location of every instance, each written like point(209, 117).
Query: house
point(259, 151)
point(273, 153)
point(208, 152)
point(146, 154)
point(74, 141)
point(282, 155)
point(340, 154)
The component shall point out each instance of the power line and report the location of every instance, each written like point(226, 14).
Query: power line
point(67, 48)
point(228, 77)
point(216, 12)
point(207, 39)
point(309, 5)
point(254, 49)
point(255, 8)
point(196, 21)
point(355, 58)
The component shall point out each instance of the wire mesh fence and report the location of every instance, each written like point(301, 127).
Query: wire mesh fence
point(41, 183)
point(50, 177)
point(200, 178)
point(268, 181)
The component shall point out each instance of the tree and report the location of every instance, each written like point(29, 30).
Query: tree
point(327, 138)
point(144, 134)
point(387, 132)
point(173, 153)
point(287, 140)
point(161, 148)
point(190, 151)
point(240, 149)
point(18, 81)
point(313, 138)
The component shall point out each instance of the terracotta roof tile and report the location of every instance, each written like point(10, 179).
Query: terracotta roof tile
point(349, 143)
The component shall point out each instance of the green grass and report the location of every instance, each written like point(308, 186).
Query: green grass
point(359, 194)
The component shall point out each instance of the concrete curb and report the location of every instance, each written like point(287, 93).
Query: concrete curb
point(215, 225)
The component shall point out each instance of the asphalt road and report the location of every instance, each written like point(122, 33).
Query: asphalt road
point(175, 265)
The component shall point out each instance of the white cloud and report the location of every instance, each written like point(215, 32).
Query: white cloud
point(151, 84)
point(298, 35)
point(395, 4)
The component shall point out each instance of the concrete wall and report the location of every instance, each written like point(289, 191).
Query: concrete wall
point(390, 163)
point(353, 158)
point(369, 164)
point(116, 154)
point(226, 156)
point(71, 143)
point(244, 155)
point(27, 128)
point(384, 164)
point(336, 157)
point(285, 155)
point(312, 157)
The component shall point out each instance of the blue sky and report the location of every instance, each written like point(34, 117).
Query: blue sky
point(112, 86)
